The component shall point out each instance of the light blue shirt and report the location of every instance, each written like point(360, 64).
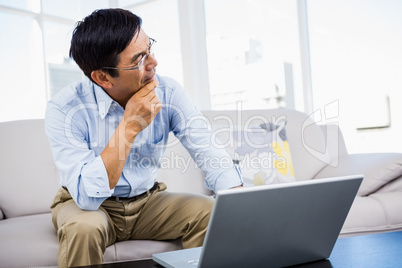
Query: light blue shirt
point(81, 119)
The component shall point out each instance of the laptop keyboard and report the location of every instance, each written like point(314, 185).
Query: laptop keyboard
point(194, 262)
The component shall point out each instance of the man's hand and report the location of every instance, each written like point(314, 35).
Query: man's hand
point(141, 110)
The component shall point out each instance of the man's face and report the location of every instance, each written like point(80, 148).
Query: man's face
point(130, 81)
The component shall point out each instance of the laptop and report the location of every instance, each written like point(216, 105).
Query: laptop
point(271, 226)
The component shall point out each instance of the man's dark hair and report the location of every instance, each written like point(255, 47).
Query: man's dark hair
point(100, 37)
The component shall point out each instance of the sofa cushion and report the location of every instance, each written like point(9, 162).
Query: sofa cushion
point(378, 169)
point(31, 241)
point(374, 213)
point(29, 178)
point(178, 170)
point(306, 139)
point(306, 142)
point(261, 151)
point(28, 241)
point(393, 186)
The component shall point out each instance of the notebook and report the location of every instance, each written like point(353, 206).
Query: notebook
point(272, 225)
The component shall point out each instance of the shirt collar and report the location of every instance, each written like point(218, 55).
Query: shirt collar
point(103, 100)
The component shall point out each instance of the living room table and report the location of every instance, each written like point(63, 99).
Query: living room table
point(382, 250)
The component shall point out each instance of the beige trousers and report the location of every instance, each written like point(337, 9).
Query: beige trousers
point(84, 235)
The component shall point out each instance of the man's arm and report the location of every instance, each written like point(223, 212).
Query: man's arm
point(139, 112)
point(89, 176)
point(190, 127)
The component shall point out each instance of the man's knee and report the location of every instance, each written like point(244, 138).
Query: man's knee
point(198, 216)
point(199, 212)
point(202, 205)
point(85, 230)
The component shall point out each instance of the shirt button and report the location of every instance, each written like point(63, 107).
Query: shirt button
point(127, 171)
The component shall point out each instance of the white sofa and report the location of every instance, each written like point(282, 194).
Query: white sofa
point(29, 180)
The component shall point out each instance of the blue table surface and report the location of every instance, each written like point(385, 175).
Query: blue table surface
point(377, 250)
point(367, 251)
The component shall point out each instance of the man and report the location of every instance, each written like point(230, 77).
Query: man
point(101, 132)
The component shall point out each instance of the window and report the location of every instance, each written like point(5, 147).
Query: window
point(253, 54)
point(59, 22)
point(27, 5)
point(36, 54)
point(161, 22)
point(61, 69)
point(356, 61)
point(23, 89)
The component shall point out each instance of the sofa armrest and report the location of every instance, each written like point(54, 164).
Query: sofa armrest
point(391, 187)
point(378, 212)
point(379, 169)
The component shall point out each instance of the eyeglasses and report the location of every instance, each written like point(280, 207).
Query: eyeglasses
point(141, 63)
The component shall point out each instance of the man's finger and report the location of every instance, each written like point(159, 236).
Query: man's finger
point(148, 88)
point(154, 99)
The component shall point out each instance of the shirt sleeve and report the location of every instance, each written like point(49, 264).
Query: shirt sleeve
point(80, 169)
point(194, 132)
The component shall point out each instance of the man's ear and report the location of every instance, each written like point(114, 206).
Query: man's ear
point(102, 79)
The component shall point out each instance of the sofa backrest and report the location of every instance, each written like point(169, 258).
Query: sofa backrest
point(28, 175)
point(307, 142)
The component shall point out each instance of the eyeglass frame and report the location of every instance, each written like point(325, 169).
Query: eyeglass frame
point(140, 65)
